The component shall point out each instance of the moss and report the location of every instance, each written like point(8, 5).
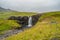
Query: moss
point(8, 25)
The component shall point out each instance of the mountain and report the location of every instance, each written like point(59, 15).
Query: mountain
point(4, 10)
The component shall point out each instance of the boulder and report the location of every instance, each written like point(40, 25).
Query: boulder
point(23, 20)
point(35, 18)
point(19, 18)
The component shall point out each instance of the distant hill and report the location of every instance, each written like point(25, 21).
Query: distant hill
point(4, 10)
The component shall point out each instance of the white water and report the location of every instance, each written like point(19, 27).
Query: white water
point(30, 22)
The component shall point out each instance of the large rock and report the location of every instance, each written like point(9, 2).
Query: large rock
point(21, 20)
point(24, 20)
point(35, 18)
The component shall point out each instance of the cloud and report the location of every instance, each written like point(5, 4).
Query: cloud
point(31, 5)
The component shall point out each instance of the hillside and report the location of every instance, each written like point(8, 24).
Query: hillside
point(5, 15)
point(6, 24)
point(4, 10)
point(47, 28)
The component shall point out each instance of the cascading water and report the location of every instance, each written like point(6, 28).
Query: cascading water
point(30, 21)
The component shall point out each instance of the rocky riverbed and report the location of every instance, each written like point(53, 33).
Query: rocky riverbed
point(12, 32)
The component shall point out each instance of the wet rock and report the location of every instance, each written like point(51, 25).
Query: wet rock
point(19, 18)
point(35, 18)
point(24, 20)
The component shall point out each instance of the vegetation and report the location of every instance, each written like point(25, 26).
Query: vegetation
point(50, 14)
point(6, 24)
point(47, 28)
point(5, 15)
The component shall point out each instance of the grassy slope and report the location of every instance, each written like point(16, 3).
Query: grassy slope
point(46, 29)
point(7, 25)
point(4, 15)
point(10, 24)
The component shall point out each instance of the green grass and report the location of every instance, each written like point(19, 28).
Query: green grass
point(46, 29)
point(6, 25)
point(5, 15)
point(49, 14)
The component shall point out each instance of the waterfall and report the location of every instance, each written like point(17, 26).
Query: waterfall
point(30, 21)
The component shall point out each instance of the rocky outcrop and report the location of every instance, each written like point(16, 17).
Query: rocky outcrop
point(35, 18)
point(23, 21)
point(20, 20)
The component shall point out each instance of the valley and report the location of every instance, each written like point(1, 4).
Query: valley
point(14, 25)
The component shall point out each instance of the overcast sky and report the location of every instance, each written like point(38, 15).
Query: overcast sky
point(31, 5)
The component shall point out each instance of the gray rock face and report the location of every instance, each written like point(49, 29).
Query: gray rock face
point(35, 18)
point(23, 21)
